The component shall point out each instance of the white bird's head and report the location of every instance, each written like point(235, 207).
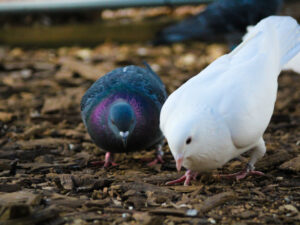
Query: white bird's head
point(195, 137)
point(181, 150)
point(182, 140)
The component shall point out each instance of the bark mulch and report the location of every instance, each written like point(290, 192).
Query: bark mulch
point(45, 172)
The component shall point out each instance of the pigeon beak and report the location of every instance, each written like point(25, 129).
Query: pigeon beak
point(179, 163)
point(124, 137)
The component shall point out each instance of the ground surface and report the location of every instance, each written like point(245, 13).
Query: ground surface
point(45, 152)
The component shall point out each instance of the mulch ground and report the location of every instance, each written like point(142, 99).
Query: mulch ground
point(46, 175)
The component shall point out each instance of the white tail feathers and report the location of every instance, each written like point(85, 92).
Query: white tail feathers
point(283, 33)
point(293, 64)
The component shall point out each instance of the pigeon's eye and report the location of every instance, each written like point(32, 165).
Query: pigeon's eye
point(188, 141)
point(113, 122)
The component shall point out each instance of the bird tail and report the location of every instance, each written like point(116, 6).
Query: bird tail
point(293, 64)
point(284, 33)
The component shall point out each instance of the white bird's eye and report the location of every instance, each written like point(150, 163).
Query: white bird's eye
point(188, 141)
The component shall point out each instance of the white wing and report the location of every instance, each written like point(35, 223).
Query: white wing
point(241, 87)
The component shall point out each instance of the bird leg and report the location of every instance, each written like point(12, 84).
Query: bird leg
point(186, 178)
point(257, 153)
point(108, 161)
point(159, 154)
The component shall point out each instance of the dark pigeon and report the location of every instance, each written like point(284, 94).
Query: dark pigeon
point(222, 20)
point(121, 111)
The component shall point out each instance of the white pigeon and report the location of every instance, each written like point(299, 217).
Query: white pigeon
point(224, 110)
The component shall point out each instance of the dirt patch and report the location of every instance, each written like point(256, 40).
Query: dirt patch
point(45, 152)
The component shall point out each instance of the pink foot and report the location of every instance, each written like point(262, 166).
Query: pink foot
point(242, 174)
point(107, 162)
point(158, 159)
point(159, 155)
point(186, 178)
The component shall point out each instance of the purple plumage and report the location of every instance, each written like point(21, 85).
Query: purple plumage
point(121, 109)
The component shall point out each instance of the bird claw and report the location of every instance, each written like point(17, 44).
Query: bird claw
point(110, 163)
point(242, 174)
point(107, 162)
point(159, 155)
point(104, 164)
point(186, 178)
point(158, 159)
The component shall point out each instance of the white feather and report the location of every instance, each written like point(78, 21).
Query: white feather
point(294, 64)
point(226, 108)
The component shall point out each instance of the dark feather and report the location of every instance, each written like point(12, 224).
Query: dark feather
point(143, 89)
point(220, 20)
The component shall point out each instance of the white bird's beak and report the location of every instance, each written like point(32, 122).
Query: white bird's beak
point(179, 161)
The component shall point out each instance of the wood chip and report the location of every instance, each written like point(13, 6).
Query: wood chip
point(86, 71)
point(98, 203)
point(10, 187)
point(185, 189)
point(52, 105)
point(216, 200)
point(6, 117)
point(36, 129)
point(273, 160)
point(45, 143)
point(163, 211)
point(21, 197)
point(292, 165)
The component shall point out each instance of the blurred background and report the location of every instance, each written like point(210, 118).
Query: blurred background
point(53, 23)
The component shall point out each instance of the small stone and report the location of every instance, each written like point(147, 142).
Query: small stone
point(142, 51)
point(26, 73)
point(287, 199)
point(164, 204)
point(84, 54)
point(156, 68)
point(187, 60)
point(191, 212)
point(211, 220)
point(71, 146)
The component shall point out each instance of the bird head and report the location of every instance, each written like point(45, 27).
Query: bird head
point(196, 141)
point(121, 120)
point(181, 139)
